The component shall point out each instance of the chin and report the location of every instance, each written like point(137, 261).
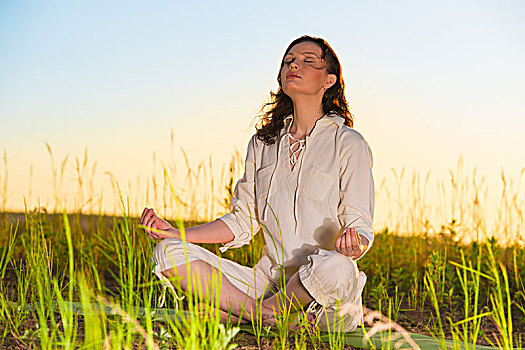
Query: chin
point(292, 89)
point(292, 92)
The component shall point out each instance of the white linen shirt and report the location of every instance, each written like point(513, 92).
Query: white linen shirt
point(335, 190)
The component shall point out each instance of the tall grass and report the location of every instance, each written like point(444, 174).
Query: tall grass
point(100, 279)
point(408, 202)
point(116, 314)
point(462, 205)
point(428, 276)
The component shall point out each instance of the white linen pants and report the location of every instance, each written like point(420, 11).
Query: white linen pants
point(332, 279)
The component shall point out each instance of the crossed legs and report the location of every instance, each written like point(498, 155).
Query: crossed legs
point(233, 299)
point(296, 296)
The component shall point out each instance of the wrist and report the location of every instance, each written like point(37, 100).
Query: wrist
point(175, 233)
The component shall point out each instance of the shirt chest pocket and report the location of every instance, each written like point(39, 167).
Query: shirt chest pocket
point(319, 184)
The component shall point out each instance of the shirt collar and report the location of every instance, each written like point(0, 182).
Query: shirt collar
point(326, 119)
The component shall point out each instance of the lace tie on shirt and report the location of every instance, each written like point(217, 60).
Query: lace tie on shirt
point(295, 154)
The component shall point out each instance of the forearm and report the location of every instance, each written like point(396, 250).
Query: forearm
point(212, 232)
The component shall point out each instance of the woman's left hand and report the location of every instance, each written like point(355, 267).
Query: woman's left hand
point(350, 243)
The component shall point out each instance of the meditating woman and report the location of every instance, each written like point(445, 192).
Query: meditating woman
point(308, 188)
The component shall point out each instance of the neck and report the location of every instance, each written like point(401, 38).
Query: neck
point(306, 112)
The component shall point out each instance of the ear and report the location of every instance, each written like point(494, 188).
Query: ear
point(330, 81)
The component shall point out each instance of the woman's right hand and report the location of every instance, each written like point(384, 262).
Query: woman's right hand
point(155, 227)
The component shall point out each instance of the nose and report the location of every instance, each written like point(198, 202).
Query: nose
point(293, 65)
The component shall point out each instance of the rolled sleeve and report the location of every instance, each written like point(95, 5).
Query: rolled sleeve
point(242, 219)
point(356, 206)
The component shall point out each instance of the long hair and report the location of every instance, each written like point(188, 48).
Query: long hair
point(271, 120)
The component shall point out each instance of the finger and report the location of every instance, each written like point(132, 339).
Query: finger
point(153, 222)
point(154, 216)
point(152, 233)
point(146, 217)
point(147, 214)
point(344, 249)
point(339, 243)
point(353, 238)
point(143, 214)
point(350, 244)
point(356, 244)
point(149, 222)
point(154, 229)
point(357, 236)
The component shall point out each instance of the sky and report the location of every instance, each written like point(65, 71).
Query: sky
point(428, 82)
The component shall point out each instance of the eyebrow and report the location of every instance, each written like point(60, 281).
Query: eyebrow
point(304, 53)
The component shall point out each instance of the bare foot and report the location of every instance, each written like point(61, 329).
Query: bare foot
point(264, 315)
point(202, 307)
point(268, 318)
point(311, 318)
point(297, 324)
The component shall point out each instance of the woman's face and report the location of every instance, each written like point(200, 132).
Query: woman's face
point(304, 72)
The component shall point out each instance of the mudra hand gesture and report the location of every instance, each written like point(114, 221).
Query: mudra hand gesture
point(155, 227)
point(350, 243)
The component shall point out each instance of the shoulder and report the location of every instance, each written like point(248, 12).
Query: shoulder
point(346, 136)
point(255, 142)
point(349, 137)
point(353, 144)
point(255, 145)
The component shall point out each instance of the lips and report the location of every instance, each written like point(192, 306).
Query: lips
point(292, 76)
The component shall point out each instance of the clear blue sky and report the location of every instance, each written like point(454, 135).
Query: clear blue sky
point(427, 81)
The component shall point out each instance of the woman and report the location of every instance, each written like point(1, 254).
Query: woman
point(308, 185)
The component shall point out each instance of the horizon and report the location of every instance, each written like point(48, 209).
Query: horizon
point(428, 84)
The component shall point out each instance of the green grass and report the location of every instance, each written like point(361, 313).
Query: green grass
point(468, 293)
point(424, 279)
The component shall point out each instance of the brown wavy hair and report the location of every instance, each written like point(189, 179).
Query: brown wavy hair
point(271, 119)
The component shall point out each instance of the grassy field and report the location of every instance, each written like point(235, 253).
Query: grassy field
point(72, 280)
point(429, 285)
